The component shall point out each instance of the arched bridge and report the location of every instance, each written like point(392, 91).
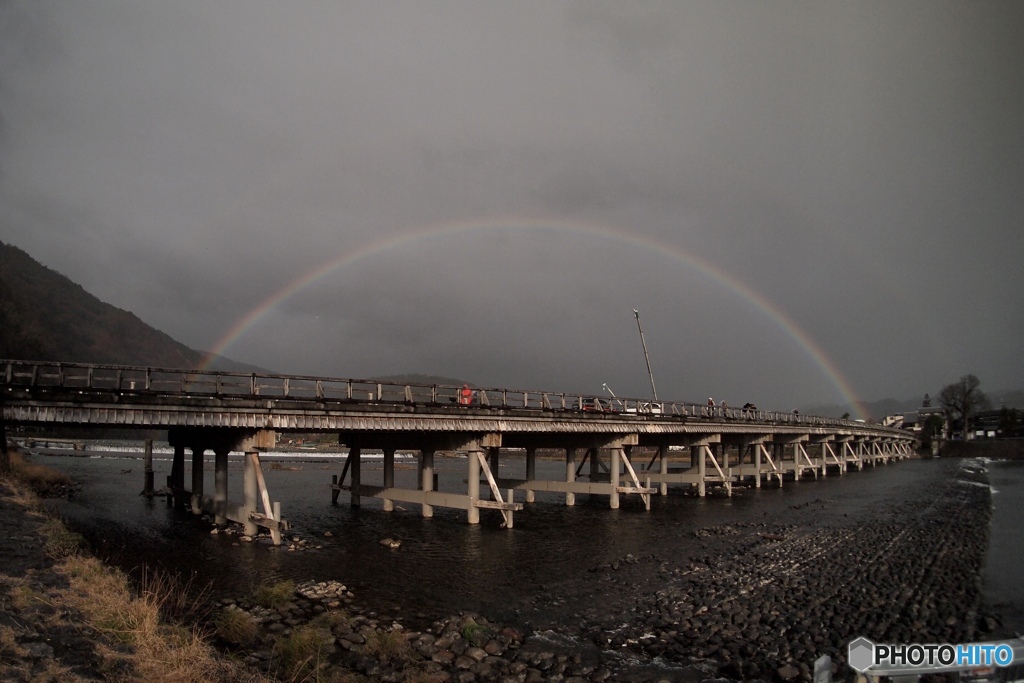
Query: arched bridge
point(631, 446)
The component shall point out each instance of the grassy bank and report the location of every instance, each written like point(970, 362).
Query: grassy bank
point(65, 616)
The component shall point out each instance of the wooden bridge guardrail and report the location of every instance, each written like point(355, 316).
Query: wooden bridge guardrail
point(171, 382)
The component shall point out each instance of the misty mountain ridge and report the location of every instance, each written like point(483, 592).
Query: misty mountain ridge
point(46, 316)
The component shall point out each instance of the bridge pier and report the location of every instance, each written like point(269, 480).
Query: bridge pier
point(147, 482)
point(222, 441)
point(427, 479)
point(662, 456)
point(176, 480)
point(355, 455)
point(474, 452)
point(570, 473)
point(250, 488)
point(613, 468)
point(494, 459)
point(699, 452)
point(749, 460)
point(757, 447)
point(220, 485)
point(531, 472)
point(479, 448)
point(389, 477)
point(197, 479)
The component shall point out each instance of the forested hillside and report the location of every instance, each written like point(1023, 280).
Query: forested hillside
point(46, 316)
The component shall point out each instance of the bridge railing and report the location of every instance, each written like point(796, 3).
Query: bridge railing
point(175, 382)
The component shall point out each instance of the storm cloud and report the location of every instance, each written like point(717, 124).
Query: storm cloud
point(806, 202)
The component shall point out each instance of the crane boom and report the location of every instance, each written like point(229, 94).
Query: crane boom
point(646, 357)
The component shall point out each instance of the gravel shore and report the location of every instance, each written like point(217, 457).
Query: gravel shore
point(757, 600)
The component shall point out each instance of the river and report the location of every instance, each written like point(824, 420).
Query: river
point(533, 575)
point(1004, 566)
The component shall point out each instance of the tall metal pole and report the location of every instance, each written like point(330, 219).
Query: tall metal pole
point(646, 358)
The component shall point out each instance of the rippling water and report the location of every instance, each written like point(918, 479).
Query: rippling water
point(530, 574)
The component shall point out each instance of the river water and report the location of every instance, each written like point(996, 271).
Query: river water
point(1004, 567)
point(530, 575)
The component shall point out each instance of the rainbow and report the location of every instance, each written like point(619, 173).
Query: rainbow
point(738, 287)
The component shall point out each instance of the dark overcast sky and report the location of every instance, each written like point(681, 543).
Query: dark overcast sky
point(803, 199)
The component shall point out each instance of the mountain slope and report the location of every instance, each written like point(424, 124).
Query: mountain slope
point(46, 316)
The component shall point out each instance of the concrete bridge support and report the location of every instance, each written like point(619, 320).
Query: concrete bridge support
point(483, 456)
point(570, 472)
point(176, 480)
point(662, 456)
point(474, 454)
point(698, 457)
point(613, 471)
point(819, 453)
point(250, 490)
point(427, 479)
point(531, 472)
point(147, 483)
point(389, 477)
point(751, 459)
point(196, 501)
point(220, 485)
point(222, 441)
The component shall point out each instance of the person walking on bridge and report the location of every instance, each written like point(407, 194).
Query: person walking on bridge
point(465, 395)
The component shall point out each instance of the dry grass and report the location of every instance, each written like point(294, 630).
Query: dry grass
point(9, 646)
point(237, 627)
point(274, 595)
point(330, 619)
point(43, 480)
point(61, 542)
point(389, 646)
point(145, 647)
point(301, 656)
point(134, 639)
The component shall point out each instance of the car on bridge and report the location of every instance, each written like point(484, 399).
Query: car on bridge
point(647, 408)
point(590, 404)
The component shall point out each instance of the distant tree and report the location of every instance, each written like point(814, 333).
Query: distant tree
point(932, 428)
point(846, 416)
point(963, 399)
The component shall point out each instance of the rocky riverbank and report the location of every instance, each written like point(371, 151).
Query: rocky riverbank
point(766, 600)
point(756, 600)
